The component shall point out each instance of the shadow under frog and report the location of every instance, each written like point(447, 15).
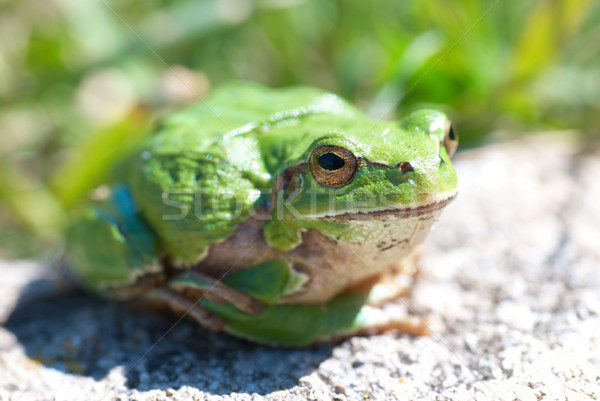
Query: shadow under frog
point(74, 332)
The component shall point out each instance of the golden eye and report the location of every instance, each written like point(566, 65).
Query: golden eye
point(450, 139)
point(332, 166)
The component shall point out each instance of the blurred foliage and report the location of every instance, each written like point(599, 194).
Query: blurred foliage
point(84, 80)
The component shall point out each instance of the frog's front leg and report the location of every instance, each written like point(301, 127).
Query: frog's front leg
point(376, 319)
point(392, 284)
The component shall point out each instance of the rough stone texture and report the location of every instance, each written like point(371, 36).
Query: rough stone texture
point(510, 285)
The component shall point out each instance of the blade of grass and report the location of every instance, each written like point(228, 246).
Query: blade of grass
point(551, 24)
point(30, 201)
point(90, 162)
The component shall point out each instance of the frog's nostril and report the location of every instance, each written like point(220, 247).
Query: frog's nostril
point(405, 167)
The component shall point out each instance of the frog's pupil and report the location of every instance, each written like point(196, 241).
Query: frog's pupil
point(331, 161)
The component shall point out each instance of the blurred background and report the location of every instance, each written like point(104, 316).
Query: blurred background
point(82, 81)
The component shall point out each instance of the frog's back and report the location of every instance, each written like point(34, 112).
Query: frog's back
point(237, 108)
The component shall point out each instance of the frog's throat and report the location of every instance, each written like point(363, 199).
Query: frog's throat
point(394, 213)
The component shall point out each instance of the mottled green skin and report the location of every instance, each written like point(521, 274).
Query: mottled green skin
point(266, 132)
point(199, 176)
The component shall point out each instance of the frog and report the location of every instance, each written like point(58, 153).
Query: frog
point(280, 215)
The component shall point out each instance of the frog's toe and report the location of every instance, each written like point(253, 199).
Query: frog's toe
point(185, 307)
point(376, 320)
point(202, 286)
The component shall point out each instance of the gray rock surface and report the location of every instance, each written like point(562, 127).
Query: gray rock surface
point(510, 285)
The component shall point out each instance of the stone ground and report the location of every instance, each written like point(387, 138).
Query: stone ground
point(510, 285)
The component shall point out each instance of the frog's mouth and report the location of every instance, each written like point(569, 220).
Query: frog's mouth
point(393, 213)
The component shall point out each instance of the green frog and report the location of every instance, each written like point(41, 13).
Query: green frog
point(282, 216)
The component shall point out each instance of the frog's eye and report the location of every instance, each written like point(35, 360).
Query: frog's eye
point(450, 139)
point(332, 166)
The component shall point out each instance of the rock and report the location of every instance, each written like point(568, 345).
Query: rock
point(510, 284)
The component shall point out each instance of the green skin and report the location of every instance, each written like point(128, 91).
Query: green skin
point(199, 177)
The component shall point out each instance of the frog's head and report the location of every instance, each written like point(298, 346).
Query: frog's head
point(360, 172)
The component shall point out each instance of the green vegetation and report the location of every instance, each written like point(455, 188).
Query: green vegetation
point(83, 81)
